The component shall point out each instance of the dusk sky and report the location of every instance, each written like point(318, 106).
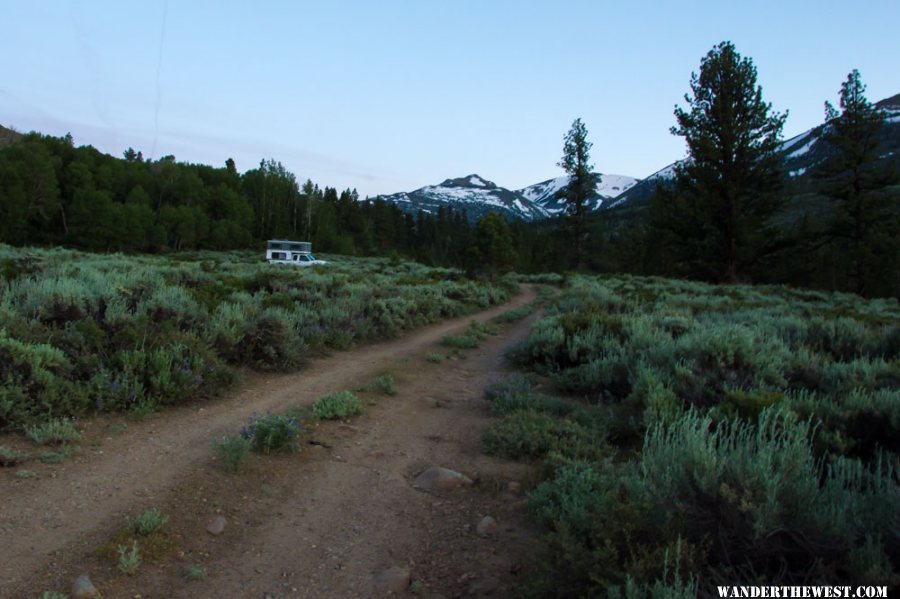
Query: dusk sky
point(387, 96)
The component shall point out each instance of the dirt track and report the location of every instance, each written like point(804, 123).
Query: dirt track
point(316, 524)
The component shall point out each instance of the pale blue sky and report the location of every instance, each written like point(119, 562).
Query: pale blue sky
point(388, 96)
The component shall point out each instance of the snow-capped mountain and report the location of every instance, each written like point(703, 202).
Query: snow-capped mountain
point(546, 193)
point(473, 193)
point(478, 196)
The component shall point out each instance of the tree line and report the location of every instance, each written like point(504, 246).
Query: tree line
point(54, 193)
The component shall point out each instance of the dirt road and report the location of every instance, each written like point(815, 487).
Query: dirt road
point(321, 523)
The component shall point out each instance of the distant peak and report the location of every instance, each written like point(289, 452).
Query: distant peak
point(472, 180)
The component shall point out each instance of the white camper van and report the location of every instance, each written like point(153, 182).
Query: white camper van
point(299, 253)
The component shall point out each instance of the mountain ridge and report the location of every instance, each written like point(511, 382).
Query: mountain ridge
point(477, 196)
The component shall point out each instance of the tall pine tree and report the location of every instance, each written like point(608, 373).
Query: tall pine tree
point(863, 231)
point(717, 216)
point(582, 185)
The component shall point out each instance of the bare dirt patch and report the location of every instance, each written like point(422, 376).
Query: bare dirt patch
point(321, 523)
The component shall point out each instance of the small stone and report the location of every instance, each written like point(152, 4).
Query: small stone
point(216, 525)
point(434, 402)
point(486, 527)
point(395, 580)
point(83, 588)
point(440, 478)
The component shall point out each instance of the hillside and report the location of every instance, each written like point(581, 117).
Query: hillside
point(8, 136)
point(799, 154)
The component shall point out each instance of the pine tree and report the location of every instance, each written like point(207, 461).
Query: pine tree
point(719, 211)
point(582, 185)
point(865, 223)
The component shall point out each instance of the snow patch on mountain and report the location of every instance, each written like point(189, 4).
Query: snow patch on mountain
point(802, 149)
point(545, 189)
point(794, 142)
point(545, 193)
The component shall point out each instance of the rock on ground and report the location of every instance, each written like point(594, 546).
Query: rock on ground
point(216, 525)
point(486, 527)
point(395, 580)
point(437, 478)
point(83, 588)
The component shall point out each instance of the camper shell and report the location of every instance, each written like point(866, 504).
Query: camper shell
point(283, 251)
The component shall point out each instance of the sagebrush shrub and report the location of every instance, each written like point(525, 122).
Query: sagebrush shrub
point(337, 406)
point(385, 384)
point(761, 482)
point(147, 522)
point(515, 393)
point(110, 332)
point(755, 431)
point(232, 451)
point(35, 382)
point(269, 342)
point(531, 434)
point(11, 457)
point(273, 432)
point(129, 559)
point(514, 314)
point(53, 432)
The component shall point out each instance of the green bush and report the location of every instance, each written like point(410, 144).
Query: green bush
point(530, 434)
point(129, 559)
point(35, 382)
point(53, 432)
point(102, 332)
point(663, 345)
point(194, 572)
point(384, 384)
point(58, 455)
point(232, 451)
point(471, 338)
point(337, 406)
point(147, 522)
point(269, 342)
point(732, 489)
point(273, 432)
point(11, 457)
point(514, 314)
point(754, 431)
point(464, 341)
point(515, 393)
